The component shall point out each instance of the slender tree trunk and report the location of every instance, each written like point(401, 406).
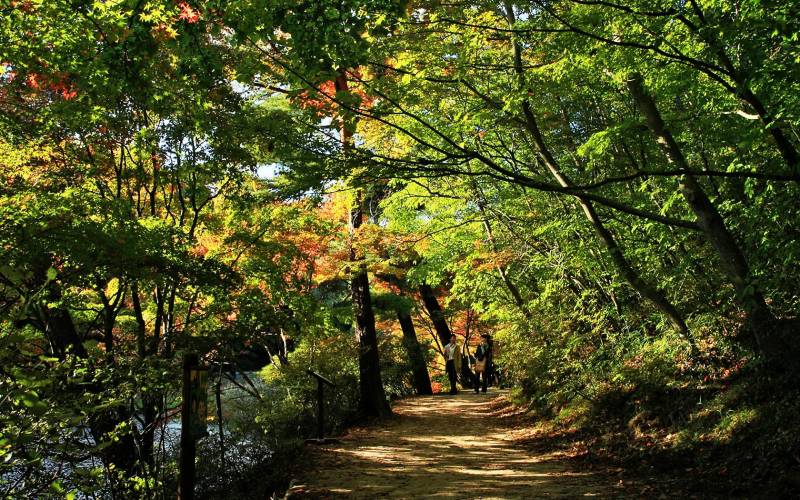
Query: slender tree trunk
point(141, 324)
point(742, 90)
point(572, 282)
point(150, 414)
point(501, 269)
point(60, 331)
point(419, 369)
point(372, 396)
point(436, 313)
point(220, 426)
point(732, 258)
point(283, 352)
point(782, 142)
point(149, 403)
point(625, 269)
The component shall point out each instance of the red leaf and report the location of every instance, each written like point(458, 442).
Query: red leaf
point(188, 14)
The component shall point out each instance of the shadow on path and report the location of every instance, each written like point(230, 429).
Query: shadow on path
point(442, 447)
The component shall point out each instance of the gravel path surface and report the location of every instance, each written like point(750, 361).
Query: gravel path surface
point(443, 446)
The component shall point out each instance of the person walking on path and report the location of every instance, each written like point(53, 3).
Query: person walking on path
point(452, 362)
point(483, 363)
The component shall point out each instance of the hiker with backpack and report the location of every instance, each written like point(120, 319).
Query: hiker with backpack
point(483, 363)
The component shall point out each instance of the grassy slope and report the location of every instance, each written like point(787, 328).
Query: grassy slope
point(735, 436)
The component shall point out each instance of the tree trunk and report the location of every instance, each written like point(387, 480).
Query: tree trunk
point(502, 271)
point(422, 381)
point(150, 414)
point(121, 451)
point(733, 260)
point(784, 145)
point(220, 426)
point(435, 311)
point(61, 333)
point(372, 396)
point(742, 89)
point(625, 269)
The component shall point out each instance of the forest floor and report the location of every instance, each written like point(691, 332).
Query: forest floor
point(463, 446)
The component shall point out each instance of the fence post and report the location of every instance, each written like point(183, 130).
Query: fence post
point(321, 382)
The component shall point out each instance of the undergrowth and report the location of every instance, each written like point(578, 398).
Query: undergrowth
point(721, 424)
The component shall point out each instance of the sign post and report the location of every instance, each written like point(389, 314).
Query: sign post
point(194, 411)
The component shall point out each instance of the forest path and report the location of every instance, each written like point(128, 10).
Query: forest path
point(443, 446)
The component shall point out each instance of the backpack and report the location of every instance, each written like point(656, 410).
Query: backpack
point(480, 354)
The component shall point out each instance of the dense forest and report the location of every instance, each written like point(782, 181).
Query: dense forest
point(609, 188)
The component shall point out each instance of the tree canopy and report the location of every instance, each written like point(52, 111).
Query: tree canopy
point(608, 188)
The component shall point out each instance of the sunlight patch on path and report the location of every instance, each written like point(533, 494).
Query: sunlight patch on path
point(442, 447)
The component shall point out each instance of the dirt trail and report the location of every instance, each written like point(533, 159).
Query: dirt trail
point(443, 447)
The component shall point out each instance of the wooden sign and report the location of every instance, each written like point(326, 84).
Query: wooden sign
point(198, 382)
